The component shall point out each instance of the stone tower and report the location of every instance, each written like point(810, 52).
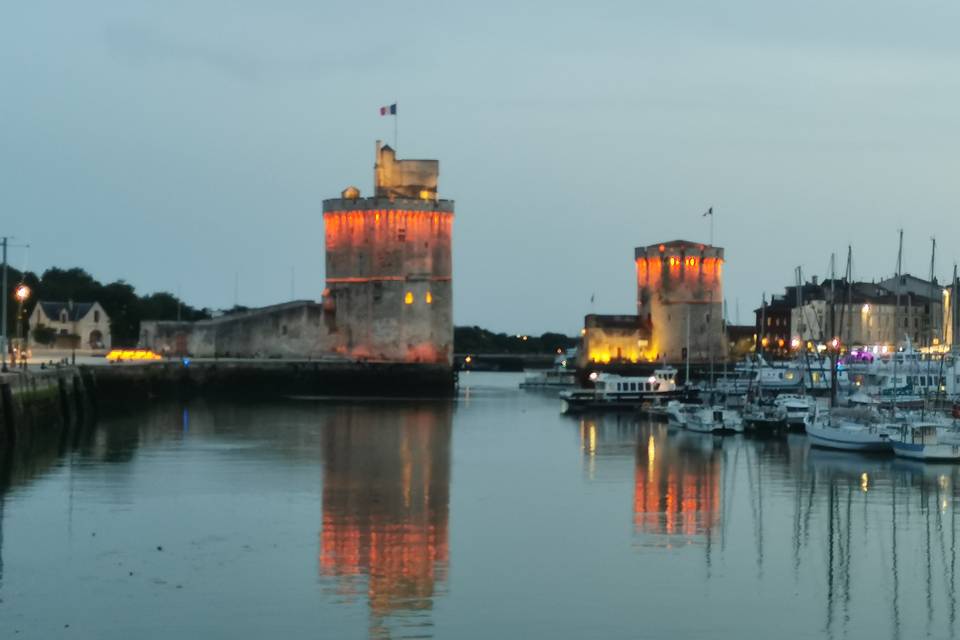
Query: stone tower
point(389, 278)
point(677, 281)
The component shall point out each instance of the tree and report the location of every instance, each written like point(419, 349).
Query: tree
point(44, 335)
point(119, 299)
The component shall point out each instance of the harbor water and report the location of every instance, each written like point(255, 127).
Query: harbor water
point(492, 515)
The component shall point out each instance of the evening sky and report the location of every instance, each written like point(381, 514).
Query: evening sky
point(187, 146)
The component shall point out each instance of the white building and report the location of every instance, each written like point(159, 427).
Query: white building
point(85, 320)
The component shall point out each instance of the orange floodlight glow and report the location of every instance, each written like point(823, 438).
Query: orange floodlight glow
point(130, 355)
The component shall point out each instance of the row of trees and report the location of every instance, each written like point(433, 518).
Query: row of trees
point(119, 299)
point(126, 309)
point(477, 340)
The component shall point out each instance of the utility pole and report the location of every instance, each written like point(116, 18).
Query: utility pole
point(3, 324)
point(5, 242)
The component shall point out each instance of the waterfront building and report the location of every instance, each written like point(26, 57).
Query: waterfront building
point(774, 326)
point(859, 314)
point(389, 279)
point(680, 294)
point(613, 339)
point(76, 325)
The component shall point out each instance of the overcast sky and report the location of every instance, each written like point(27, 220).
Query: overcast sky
point(175, 144)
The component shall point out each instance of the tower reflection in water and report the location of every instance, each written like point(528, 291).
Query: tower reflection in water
point(386, 491)
point(676, 487)
point(676, 476)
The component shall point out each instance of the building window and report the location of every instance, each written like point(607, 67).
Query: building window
point(401, 234)
point(96, 316)
point(63, 316)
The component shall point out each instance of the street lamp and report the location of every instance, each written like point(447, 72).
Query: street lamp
point(22, 293)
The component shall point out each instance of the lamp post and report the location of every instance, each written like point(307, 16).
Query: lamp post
point(3, 310)
point(22, 293)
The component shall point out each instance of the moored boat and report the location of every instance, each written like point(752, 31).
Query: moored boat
point(928, 441)
point(715, 419)
point(794, 409)
point(615, 392)
point(848, 431)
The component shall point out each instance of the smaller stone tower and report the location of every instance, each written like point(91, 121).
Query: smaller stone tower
point(677, 282)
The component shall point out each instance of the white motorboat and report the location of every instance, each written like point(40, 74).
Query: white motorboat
point(927, 440)
point(550, 379)
point(562, 375)
point(714, 419)
point(678, 413)
point(794, 409)
point(851, 430)
point(612, 391)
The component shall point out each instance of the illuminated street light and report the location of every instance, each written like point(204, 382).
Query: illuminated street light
point(21, 293)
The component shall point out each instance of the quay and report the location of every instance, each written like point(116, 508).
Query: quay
point(67, 397)
point(37, 402)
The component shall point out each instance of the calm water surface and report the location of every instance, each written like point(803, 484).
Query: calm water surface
point(492, 516)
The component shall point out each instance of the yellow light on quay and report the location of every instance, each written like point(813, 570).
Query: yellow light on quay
point(408, 299)
point(428, 298)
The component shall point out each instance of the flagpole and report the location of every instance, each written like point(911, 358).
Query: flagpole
point(711, 226)
point(396, 118)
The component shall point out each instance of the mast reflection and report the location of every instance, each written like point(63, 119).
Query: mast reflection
point(386, 490)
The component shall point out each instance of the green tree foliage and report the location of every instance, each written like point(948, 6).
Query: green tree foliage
point(477, 340)
point(119, 299)
point(43, 334)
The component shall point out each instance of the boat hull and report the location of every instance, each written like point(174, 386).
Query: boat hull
point(940, 451)
point(847, 439)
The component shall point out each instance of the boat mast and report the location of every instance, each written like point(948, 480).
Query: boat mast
point(848, 310)
point(833, 328)
point(686, 374)
point(953, 309)
point(763, 324)
point(806, 356)
point(896, 326)
point(834, 383)
point(930, 337)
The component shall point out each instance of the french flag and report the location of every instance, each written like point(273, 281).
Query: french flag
point(389, 111)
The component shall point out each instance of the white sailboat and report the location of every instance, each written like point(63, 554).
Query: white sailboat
point(850, 430)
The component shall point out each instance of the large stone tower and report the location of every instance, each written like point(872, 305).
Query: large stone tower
point(677, 282)
point(389, 280)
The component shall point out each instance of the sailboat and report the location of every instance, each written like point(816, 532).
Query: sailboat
point(759, 414)
point(848, 430)
point(923, 438)
point(854, 429)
